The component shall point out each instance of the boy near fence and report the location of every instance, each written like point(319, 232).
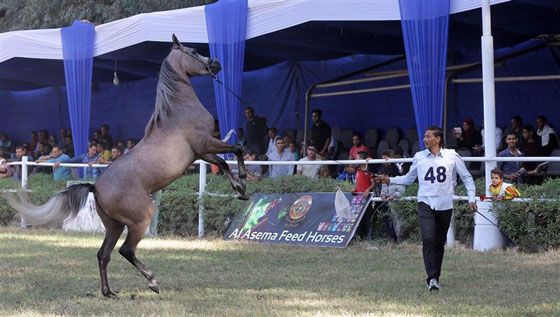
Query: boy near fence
point(501, 190)
point(389, 192)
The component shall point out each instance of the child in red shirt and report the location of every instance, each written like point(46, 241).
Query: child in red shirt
point(364, 184)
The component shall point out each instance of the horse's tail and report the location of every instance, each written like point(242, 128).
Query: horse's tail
point(62, 205)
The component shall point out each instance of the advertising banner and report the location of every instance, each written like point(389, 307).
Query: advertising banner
point(302, 218)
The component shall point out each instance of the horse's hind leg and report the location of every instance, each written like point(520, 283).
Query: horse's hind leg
point(128, 249)
point(239, 187)
point(113, 230)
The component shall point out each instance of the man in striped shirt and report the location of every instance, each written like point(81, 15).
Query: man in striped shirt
point(434, 167)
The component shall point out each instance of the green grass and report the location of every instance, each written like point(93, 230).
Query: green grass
point(53, 273)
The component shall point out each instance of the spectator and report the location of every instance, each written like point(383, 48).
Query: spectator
point(549, 138)
point(130, 144)
point(364, 184)
point(5, 143)
point(254, 172)
point(515, 127)
point(512, 170)
point(531, 146)
point(105, 137)
point(34, 142)
point(52, 141)
point(281, 154)
point(69, 132)
point(43, 137)
point(320, 133)
point(103, 151)
point(272, 137)
point(21, 151)
point(4, 167)
point(62, 138)
point(402, 167)
point(311, 171)
point(356, 148)
point(255, 132)
point(293, 148)
point(241, 137)
point(68, 146)
point(91, 157)
point(116, 152)
point(389, 192)
point(468, 138)
point(501, 190)
point(62, 172)
point(96, 136)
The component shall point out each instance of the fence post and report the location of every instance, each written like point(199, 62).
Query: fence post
point(201, 189)
point(24, 161)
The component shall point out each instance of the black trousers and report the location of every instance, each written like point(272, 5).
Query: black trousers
point(434, 225)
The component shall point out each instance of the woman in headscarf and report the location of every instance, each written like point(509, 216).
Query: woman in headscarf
point(470, 138)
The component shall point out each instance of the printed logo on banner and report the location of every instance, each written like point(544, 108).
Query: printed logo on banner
point(308, 219)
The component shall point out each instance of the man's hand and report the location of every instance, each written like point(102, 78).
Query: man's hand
point(391, 197)
point(383, 197)
point(366, 193)
point(56, 165)
point(473, 207)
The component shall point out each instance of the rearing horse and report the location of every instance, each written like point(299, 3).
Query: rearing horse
point(178, 133)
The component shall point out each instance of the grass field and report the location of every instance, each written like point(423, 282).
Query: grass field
point(53, 273)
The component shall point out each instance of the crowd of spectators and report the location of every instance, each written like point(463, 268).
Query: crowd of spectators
point(43, 147)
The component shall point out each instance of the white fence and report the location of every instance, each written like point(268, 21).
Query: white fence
point(202, 175)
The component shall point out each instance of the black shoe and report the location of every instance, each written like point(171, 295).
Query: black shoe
point(433, 285)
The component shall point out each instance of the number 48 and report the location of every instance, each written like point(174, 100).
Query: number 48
point(440, 175)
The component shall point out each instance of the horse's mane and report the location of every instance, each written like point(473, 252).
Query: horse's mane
point(167, 89)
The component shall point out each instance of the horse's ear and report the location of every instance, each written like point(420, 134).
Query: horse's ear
point(176, 40)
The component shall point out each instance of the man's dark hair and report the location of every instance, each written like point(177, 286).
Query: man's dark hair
point(518, 119)
point(250, 108)
point(529, 128)
point(357, 134)
point(19, 147)
point(543, 118)
point(318, 112)
point(438, 132)
point(273, 129)
point(105, 126)
point(56, 147)
point(511, 133)
point(389, 153)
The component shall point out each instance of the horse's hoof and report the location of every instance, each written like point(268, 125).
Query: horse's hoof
point(110, 294)
point(154, 286)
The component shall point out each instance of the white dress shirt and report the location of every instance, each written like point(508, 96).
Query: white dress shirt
point(435, 177)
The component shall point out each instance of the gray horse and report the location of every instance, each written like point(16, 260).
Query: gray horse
point(178, 133)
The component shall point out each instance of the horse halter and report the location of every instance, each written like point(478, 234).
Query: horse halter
point(207, 66)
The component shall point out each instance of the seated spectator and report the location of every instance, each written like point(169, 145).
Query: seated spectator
point(5, 143)
point(402, 167)
point(501, 190)
point(116, 152)
point(281, 154)
point(62, 172)
point(106, 137)
point(254, 172)
point(103, 151)
point(130, 144)
point(44, 136)
point(91, 157)
point(272, 137)
point(21, 152)
point(62, 139)
point(515, 127)
point(241, 137)
point(512, 170)
point(311, 171)
point(5, 171)
point(549, 138)
point(96, 136)
point(68, 146)
point(33, 143)
point(468, 138)
point(531, 146)
point(294, 150)
point(52, 141)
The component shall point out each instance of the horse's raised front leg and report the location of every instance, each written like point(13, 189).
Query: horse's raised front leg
point(239, 186)
point(128, 248)
point(113, 230)
point(215, 146)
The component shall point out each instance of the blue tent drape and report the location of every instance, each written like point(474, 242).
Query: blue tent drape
point(226, 22)
point(425, 26)
point(77, 47)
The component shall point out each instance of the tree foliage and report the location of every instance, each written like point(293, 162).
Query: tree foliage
point(41, 14)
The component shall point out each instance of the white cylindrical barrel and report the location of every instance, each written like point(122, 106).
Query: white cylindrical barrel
point(486, 235)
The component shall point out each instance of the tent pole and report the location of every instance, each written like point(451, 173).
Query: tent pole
point(488, 92)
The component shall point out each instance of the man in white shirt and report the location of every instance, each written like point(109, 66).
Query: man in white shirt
point(281, 154)
point(311, 171)
point(434, 167)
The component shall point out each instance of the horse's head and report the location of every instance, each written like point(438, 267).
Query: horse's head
point(186, 60)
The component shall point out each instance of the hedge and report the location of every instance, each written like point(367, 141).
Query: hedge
point(534, 225)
